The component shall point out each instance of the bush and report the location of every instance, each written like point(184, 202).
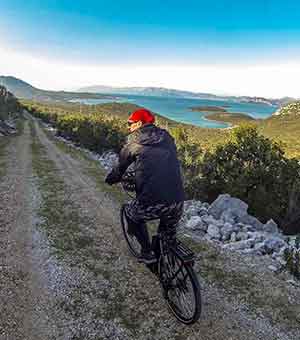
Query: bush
point(190, 155)
point(254, 169)
point(97, 131)
point(9, 104)
point(292, 258)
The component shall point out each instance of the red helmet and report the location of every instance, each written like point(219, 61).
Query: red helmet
point(143, 115)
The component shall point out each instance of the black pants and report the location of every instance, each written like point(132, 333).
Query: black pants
point(137, 214)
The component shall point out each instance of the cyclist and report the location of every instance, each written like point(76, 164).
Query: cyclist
point(159, 188)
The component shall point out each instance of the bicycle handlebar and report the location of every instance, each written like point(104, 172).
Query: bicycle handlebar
point(128, 182)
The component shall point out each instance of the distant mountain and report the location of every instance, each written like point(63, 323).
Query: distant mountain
point(166, 92)
point(21, 89)
point(146, 91)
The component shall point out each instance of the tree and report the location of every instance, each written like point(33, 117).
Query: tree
point(254, 169)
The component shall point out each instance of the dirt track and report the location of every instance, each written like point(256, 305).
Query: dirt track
point(92, 288)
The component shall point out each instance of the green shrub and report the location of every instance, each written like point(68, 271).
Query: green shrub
point(95, 131)
point(190, 154)
point(292, 258)
point(9, 104)
point(254, 169)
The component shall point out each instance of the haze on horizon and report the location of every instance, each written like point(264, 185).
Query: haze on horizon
point(224, 47)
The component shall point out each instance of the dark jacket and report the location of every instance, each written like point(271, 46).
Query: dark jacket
point(158, 177)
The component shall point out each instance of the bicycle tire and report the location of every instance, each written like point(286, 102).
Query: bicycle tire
point(132, 242)
point(194, 287)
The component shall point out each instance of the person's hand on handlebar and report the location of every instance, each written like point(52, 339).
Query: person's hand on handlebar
point(111, 179)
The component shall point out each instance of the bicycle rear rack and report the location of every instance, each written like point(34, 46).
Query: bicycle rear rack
point(183, 252)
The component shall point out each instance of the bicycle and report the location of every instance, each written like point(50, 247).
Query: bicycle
point(174, 266)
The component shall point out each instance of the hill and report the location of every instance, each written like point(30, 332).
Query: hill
point(21, 89)
point(25, 90)
point(166, 92)
point(284, 127)
point(146, 91)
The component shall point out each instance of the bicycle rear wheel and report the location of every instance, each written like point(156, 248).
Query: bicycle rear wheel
point(181, 288)
point(132, 242)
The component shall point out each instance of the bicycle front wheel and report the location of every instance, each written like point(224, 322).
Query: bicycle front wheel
point(132, 242)
point(181, 289)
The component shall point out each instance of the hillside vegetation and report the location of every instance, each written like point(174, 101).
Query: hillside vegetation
point(21, 89)
point(241, 162)
point(233, 118)
point(284, 127)
point(8, 103)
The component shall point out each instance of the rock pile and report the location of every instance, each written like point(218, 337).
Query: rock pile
point(227, 223)
point(7, 128)
point(108, 159)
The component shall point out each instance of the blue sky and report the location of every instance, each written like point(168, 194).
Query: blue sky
point(153, 32)
point(178, 31)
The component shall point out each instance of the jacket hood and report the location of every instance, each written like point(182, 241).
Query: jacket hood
point(149, 134)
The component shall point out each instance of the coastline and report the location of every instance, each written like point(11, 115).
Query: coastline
point(230, 125)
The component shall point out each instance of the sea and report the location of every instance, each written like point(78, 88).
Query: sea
point(178, 109)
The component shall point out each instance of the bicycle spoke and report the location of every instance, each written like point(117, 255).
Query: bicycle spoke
point(187, 305)
point(181, 295)
point(134, 245)
point(184, 301)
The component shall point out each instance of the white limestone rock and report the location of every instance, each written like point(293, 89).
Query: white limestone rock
point(233, 237)
point(227, 203)
point(196, 223)
point(208, 219)
point(240, 245)
point(214, 232)
point(251, 220)
point(274, 244)
point(241, 235)
point(228, 216)
point(205, 205)
point(226, 231)
point(271, 227)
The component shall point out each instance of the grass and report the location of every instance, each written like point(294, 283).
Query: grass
point(284, 129)
point(274, 302)
point(59, 215)
point(91, 167)
point(234, 118)
point(118, 309)
point(3, 144)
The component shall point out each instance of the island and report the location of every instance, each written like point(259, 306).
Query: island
point(220, 114)
point(234, 118)
point(209, 108)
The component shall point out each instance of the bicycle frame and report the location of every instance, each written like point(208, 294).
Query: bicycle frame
point(166, 250)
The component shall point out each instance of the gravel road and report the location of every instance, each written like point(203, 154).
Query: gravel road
point(91, 289)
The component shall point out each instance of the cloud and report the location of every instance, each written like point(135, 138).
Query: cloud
point(273, 80)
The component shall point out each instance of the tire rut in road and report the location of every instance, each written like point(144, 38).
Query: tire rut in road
point(25, 300)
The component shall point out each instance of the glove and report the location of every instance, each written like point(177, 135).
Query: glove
point(111, 178)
